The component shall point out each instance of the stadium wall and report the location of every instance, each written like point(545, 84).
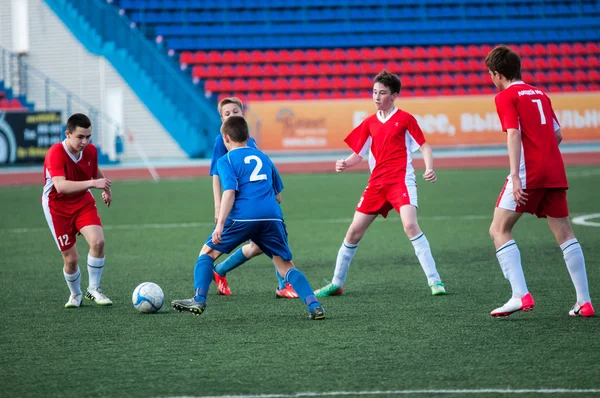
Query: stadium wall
point(58, 54)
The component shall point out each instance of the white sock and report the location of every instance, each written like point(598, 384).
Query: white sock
point(342, 263)
point(74, 281)
point(509, 258)
point(423, 252)
point(573, 256)
point(95, 267)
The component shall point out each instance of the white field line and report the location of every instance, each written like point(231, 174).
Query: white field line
point(409, 392)
point(583, 220)
point(211, 224)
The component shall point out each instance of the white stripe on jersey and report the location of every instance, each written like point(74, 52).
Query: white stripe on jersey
point(46, 206)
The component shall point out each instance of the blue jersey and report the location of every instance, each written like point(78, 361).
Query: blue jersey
point(256, 181)
point(219, 149)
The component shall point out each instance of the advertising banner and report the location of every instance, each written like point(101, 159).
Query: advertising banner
point(26, 136)
point(322, 125)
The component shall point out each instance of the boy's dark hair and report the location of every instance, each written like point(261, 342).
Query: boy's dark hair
point(236, 128)
point(504, 61)
point(78, 120)
point(389, 80)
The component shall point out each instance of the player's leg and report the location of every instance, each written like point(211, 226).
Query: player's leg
point(94, 236)
point(408, 215)
point(358, 227)
point(555, 207)
point(300, 284)
point(203, 275)
point(509, 257)
point(72, 276)
point(63, 232)
point(233, 234)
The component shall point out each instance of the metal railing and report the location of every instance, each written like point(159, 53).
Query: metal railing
point(29, 83)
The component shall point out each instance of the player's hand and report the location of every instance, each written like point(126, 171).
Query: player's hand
point(102, 183)
point(216, 235)
point(107, 197)
point(518, 193)
point(340, 165)
point(430, 176)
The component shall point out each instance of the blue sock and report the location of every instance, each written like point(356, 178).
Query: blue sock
point(302, 287)
point(280, 280)
point(203, 276)
point(232, 262)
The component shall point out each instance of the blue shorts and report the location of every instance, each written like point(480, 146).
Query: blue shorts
point(270, 236)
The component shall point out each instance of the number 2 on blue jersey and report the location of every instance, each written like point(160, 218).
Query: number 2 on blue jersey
point(255, 176)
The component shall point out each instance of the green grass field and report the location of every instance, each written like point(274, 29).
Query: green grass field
point(384, 333)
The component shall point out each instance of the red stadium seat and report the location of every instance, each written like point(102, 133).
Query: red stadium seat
point(474, 91)
point(310, 95)
point(419, 92)
point(460, 91)
point(580, 87)
point(568, 88)
point(200, 57)
point(271, 56)
point(295, 95)
point(352, 82)
point(296, 84)
point(541, 63)
point(434, 66)
point(379, 53)
point(337, 95)
point(186, 57)
point(268, 70)
point(310, 84)
point(579, 49)
point(462, 66)
point(554, 88)
point(266, 84)
point(227, 71)
point(339, 54)
point(566, 49)
point(435, 52)
point(448, 66)
point(407, 53)
point(366, 54)
point(526, 50)
point(460, 52)
point(323, 83)
point(257, 57)
point(228, 57)
point(323, 95)
point(461, 79)
point(312, 69)
point(592, 48)
point(447, 80)
point(352, 68)
point(447, 91)
point(267, 96)
point(197, 71)
point(243, 57)
point(211, 85)
point(554, 63)
point(593, 62)
point(594, 76)
point(282, 84)
point(339, 69)
point(420, 52)
point(297, 70)
point(448, 52)
point(593, 87)
point(353, 54)
point(338, 83)
point(284, 56)
point(527, 63)
point(567, 76)
point(214, 57)
point(298, 56)
point(327, 55)
point(580, 62)
point(213, 71)
point(312, 55)
point(253, 97)
point(542, 78)
point(567, 62)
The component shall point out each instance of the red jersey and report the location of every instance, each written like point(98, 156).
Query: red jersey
point(60, 162)
point(528, 109)
point(392, 140)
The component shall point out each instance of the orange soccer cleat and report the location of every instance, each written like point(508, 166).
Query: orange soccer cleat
point(286, 292)
point(222, 284)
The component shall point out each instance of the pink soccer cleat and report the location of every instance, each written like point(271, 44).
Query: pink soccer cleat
point(585, 310)
point(222, 284)
point(515, 304)
point(287, 292)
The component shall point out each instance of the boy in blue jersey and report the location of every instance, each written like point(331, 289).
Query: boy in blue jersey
point(249, 210)
point(233, 107)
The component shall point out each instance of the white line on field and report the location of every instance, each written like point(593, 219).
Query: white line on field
point(210, 224)
point(583, 220)
point(409, 392)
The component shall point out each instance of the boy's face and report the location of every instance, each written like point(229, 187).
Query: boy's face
point(79, 138)
point(383, 97)
point(230, 110)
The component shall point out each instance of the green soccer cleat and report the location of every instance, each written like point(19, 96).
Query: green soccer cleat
point(190, 305)
point(437, 289)
point(329, 290)
point(317, 314)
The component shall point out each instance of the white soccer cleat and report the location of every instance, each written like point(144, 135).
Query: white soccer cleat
point(74, 301)
point(525, 303)
point(97, 296)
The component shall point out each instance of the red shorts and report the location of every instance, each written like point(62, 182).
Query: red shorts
point(543, 202)
point(380, 199)
point(64, 227)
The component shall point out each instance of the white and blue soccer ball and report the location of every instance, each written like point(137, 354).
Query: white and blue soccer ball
point(148, 297)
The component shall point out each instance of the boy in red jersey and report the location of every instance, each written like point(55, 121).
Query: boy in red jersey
point(537, 183)
point(70, 171)
point(391, 134)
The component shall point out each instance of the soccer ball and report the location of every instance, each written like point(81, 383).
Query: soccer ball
point(148, 297)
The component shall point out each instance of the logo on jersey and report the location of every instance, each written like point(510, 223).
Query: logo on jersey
point(396, 124)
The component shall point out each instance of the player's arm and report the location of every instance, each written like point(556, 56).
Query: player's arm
point(64, 186)
point(513, 138)
point(216, 185)
point(278, 197)
point(559, 136)
point(429, 174)
point(227, 201)
point(350, 161)
point(107, 193)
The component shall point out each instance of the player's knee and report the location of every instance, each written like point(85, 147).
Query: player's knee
point(71, 261)
point(253, 250)
point(354, 235)
point(97, 245)
point(412, 229)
